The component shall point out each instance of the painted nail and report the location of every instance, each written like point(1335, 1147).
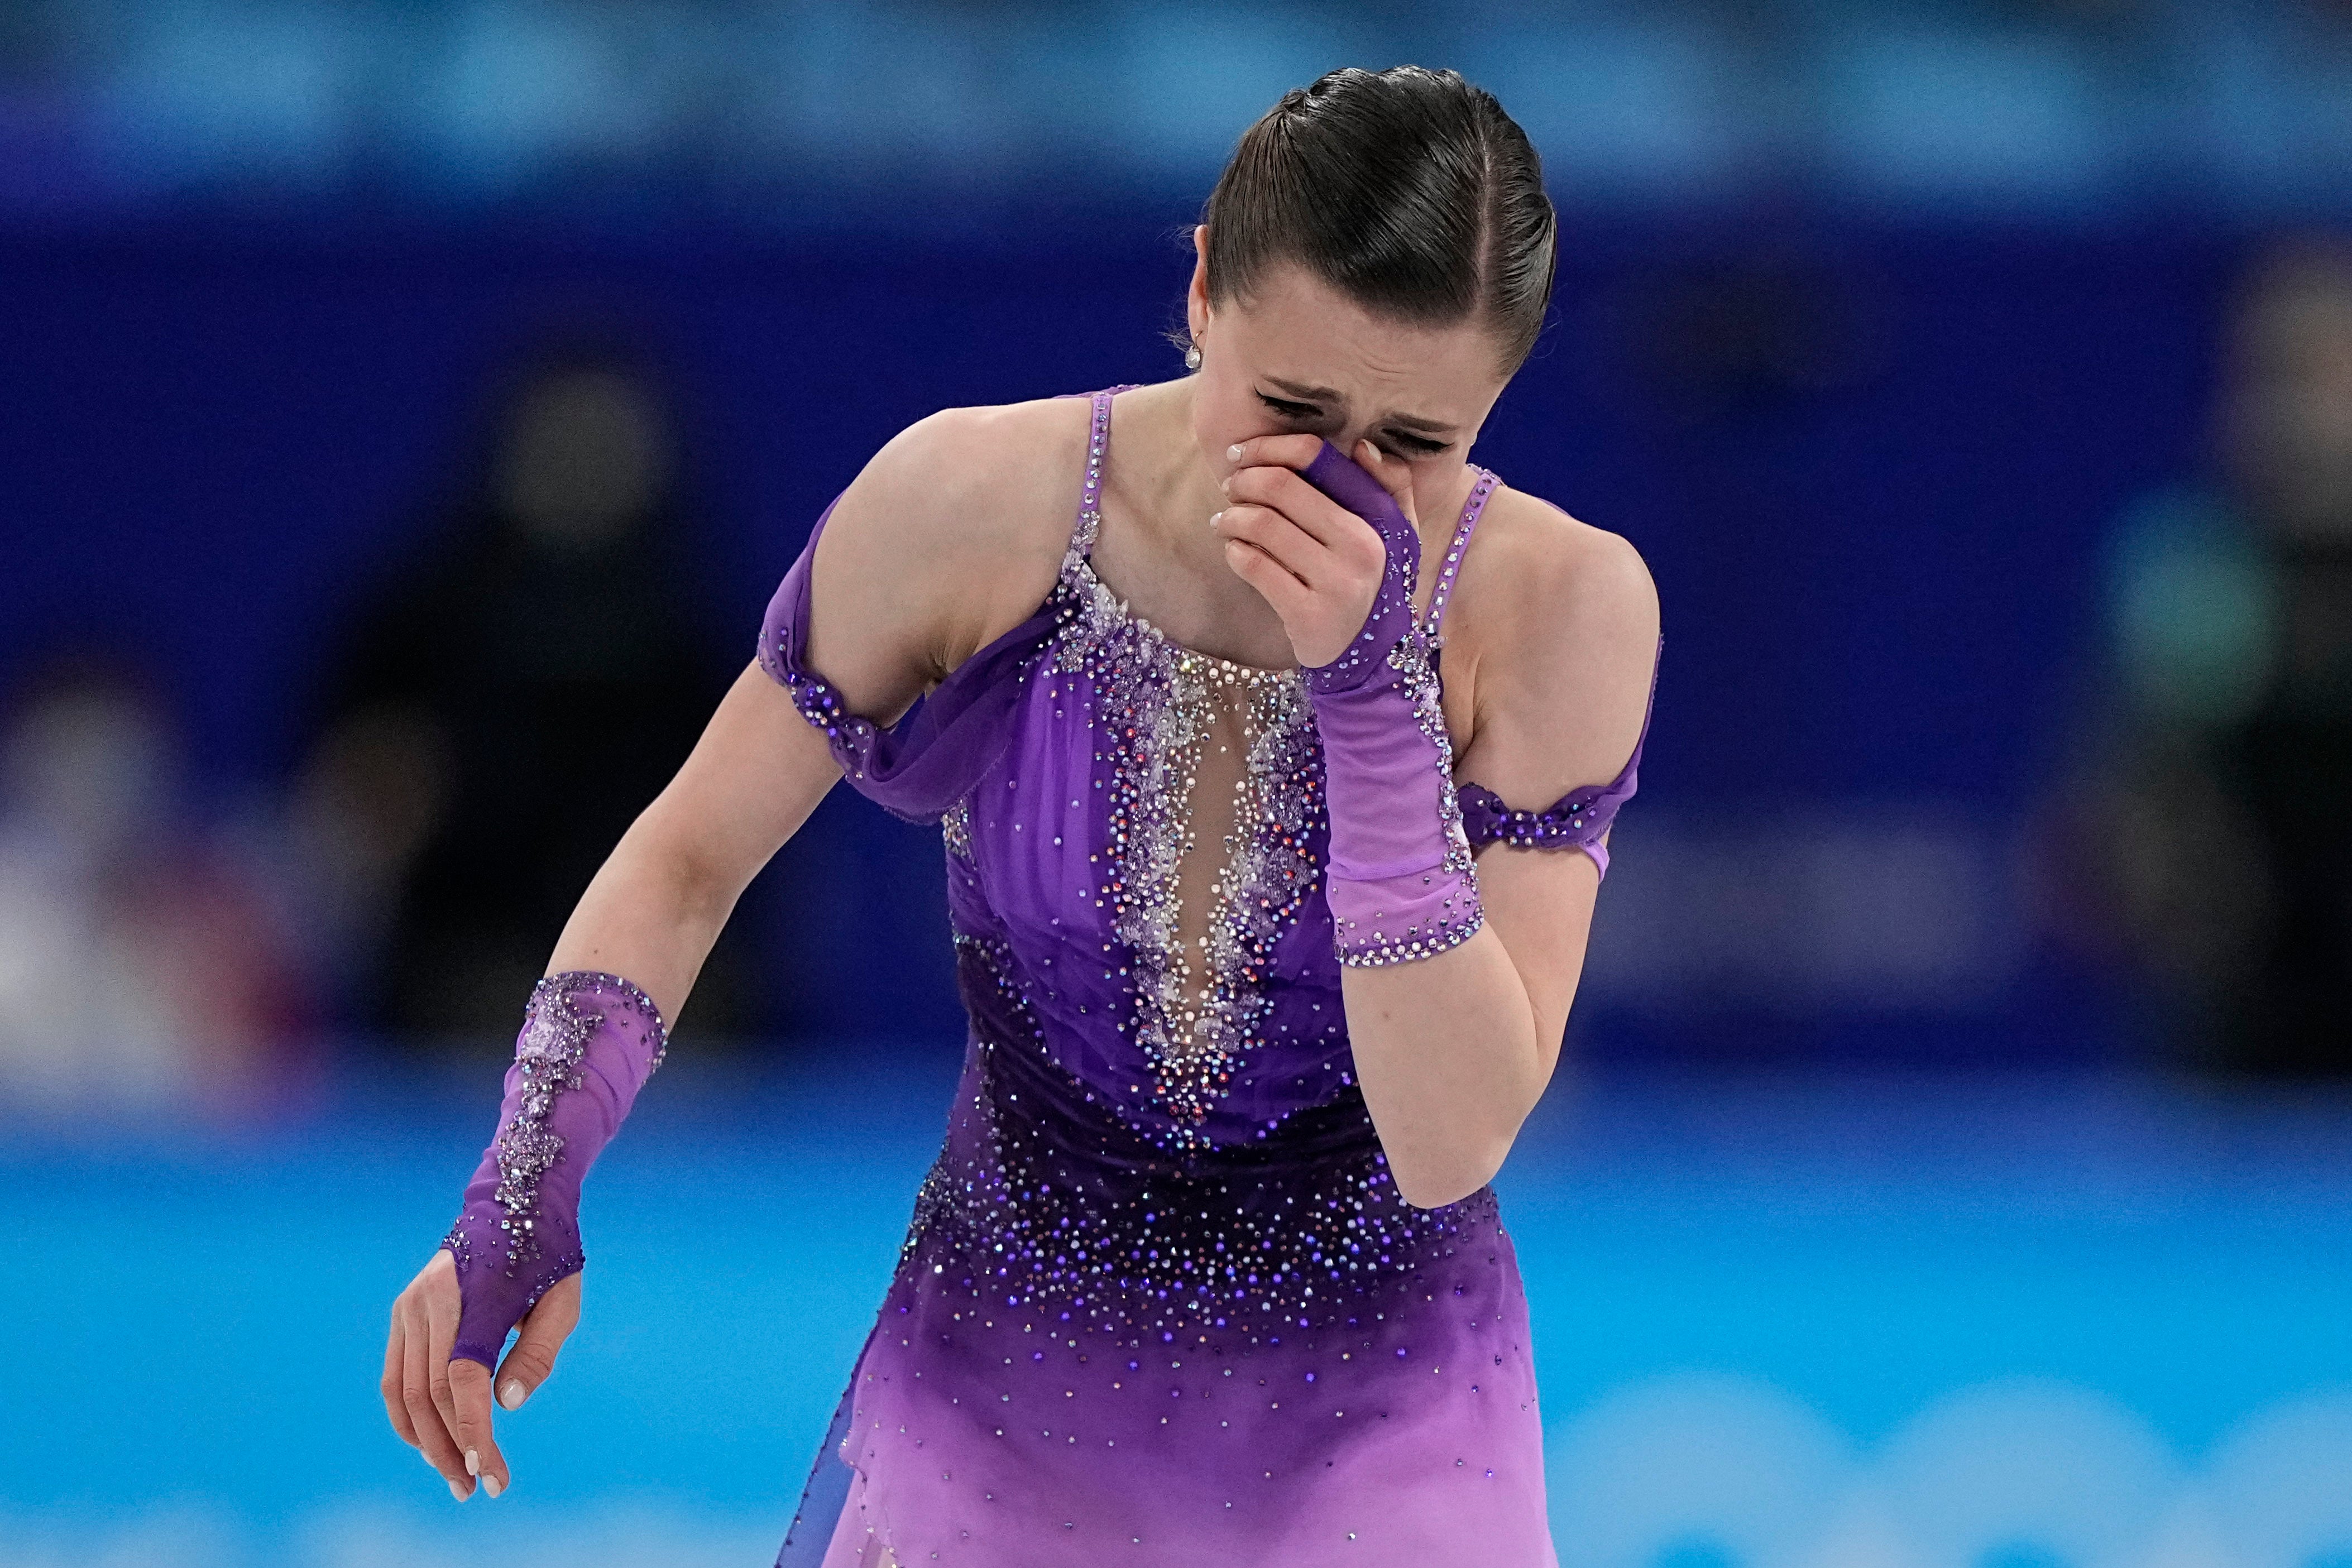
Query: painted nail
point(513, 1394)
point(460, 1493)
point(473, 1463)
point(493, 1485)
point(1233, 453)
point(1213, 517)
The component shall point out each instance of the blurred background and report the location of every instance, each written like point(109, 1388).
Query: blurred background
point(408, 410)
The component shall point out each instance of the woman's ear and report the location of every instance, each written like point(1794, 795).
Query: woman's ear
point(1196, 298)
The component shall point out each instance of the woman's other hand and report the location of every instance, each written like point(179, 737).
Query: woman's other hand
point(1316, 563)
point(442, 1407)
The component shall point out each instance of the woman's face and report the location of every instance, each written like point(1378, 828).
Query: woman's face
point(1299, 356)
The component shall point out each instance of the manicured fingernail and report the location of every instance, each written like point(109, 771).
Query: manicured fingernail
point(460, 1493)
point(1233, 453)
point(473, 1463)
point(493, 1485)
point(513, 1394)
point(1213, 517)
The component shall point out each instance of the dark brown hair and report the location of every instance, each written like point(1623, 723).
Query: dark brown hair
point(1409, 190)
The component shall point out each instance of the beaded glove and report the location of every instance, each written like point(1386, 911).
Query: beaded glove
point(589, 1041)
point(1401, 882)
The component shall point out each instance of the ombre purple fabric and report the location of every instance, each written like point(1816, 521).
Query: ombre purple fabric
point(1159, 1302)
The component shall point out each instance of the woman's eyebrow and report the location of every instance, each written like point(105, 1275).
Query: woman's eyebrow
point(1325, 395)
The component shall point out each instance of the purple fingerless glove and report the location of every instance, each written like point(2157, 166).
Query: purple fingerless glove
point(588, 1043)
point(1401, 882)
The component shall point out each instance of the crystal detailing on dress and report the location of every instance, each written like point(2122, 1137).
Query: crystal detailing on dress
point(1270, 870)
point(1158, 703)
point(1091, 1226)
point(823, 707)
point(555, 1036)
point(851, 738)
point(1563, 826)
point(1439, 596)
point(955, 828)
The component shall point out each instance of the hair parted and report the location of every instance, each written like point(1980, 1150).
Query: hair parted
point(1409, 190)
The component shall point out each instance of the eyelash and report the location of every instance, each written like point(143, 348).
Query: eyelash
point(1414, 445)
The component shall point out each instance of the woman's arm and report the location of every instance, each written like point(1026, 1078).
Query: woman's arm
point(925, 557)
point(1454, 1051)
point(1556, 628)
point(655, 908)
point(950, 537)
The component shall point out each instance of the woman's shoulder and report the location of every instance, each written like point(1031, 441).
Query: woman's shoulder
point(1556, 607)
point(981, 479)
point(962, 517)
point(1531, 563)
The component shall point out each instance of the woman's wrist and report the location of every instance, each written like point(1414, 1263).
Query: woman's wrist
point(589, 1041)
point(1400, 879)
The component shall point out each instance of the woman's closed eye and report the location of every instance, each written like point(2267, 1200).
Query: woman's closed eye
point(1397, 443)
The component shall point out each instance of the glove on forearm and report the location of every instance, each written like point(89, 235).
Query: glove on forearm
point(589, 1041)
point(1401, 882)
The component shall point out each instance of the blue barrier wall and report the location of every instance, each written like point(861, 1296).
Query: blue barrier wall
point(1868, 464)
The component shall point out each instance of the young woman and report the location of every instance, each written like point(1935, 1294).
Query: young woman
point(1208, 1268)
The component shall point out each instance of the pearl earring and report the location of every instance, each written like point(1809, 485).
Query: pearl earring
point(1192, 356)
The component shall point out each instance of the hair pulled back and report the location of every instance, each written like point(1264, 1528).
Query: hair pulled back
point(1408, 190)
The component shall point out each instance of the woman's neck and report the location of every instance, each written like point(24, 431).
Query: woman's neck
point(1159, 553)
point(1162, 475)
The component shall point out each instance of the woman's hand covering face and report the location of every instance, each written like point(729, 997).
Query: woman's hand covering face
point(1316, 563)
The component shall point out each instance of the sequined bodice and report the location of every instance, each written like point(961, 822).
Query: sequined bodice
point(1065, 764)
point(1146, 781)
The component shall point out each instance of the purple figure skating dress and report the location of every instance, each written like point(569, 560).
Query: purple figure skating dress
point(1161, 1302)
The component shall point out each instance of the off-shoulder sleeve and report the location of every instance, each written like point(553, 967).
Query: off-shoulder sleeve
point(930, 758)
point(1576, 819)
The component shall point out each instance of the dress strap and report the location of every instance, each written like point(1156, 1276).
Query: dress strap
point(1089, 522)
point(1471, 511)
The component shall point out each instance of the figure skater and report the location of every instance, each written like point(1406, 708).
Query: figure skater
point(1208, 1268)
